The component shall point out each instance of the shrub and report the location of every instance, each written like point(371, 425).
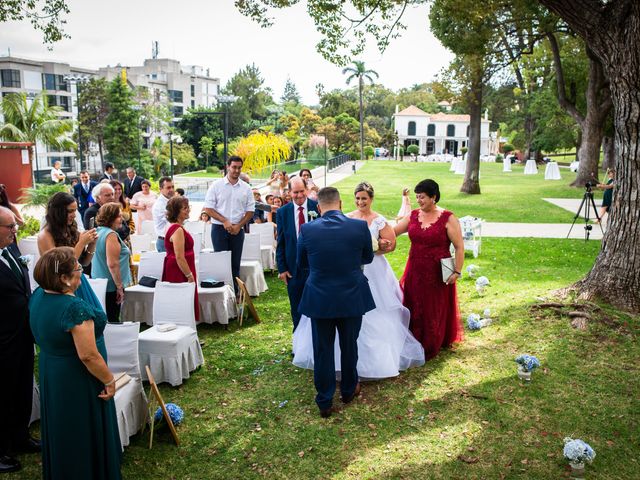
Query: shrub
point(499, 158)
point(507, 147)
point(464, 150)
point(368, 151)
point(31, 227)
point(213, 169)
point(413, 149)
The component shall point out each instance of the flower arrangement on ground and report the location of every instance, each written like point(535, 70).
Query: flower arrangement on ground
point(481, 284)
point(526, 365)
point(578, 452)
point(475, 322)
point(473, 270)
point(175, 413)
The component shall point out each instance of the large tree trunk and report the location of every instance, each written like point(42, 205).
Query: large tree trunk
point(612, 31)
point(589, 154)
point(608, 150)
point(471, 183)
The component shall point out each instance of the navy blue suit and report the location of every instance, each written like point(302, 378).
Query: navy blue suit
point(335, 296)
point(286, 252)
point(82, 197)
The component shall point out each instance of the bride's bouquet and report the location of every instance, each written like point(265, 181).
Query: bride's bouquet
point(374, 244)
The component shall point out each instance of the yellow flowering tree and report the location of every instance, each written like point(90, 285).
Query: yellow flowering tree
point(261, 149)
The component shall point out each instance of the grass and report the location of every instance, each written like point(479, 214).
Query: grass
point(506, 197)
point(464, 415)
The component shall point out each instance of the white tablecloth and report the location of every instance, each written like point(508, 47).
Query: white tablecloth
point(574, 166)
point(530, 168)
point(552, 172)
point(506, 165)
point(461, 167)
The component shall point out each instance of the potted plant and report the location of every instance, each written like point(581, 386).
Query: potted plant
point(526, 365)
point(577, 452)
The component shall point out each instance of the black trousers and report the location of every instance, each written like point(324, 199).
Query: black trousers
point(113, 309)
point(16, 372)
point(223, 241)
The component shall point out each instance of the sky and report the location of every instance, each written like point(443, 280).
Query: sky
point(213, 34)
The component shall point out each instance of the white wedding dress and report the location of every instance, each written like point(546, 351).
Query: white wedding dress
point(385, 345)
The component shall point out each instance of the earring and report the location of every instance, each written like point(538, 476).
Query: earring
point(67, 284)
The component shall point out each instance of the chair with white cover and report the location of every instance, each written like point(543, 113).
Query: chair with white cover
point(267, 243)
point(194, 227)
point(171, 355)
point(197, 243)
point(142, 243)
point(208, 243)
point(121, 341)
point(138, 300)
point(29, 246)
point(99, 286)
point(251, 270)
point(216, 304)
point(148, 228)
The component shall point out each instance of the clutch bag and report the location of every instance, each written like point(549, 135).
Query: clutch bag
point(448, 268)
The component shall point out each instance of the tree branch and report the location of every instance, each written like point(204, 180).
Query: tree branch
point(568, 107)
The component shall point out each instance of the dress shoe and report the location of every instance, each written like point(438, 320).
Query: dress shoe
point(9, 464)
point(30, 445)
point(326, 413)
point(355, 394)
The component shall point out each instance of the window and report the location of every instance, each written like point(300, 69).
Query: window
point(451, 130)
point(54, 82)
point(431, 130)
point(10, 78)
point(193, 104)
point(175, 96)
point(411, 129)
point(64, 103)
point(177, 111)
point(52, 100)
point(468, 130)
point(193, 90)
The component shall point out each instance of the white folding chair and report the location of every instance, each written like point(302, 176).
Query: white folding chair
point(173, 354)
point(121, 341)
point(267, 243)
point(99, 286)
point(142, 243)
point(207, 236)
point(138, 300)
point(194, 227)
point(251, 270)
point(148, 228)
point(216, 304)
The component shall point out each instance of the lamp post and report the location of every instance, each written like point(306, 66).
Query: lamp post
point(77, 79)
point(226, 100)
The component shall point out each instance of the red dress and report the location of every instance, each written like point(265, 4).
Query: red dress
point(435, 318)
point(171, 272)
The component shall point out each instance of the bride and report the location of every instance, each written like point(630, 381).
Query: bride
point(385, 345)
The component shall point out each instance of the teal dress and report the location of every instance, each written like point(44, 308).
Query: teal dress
point(79, 431)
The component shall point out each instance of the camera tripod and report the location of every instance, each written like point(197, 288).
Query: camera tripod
point(587, 203)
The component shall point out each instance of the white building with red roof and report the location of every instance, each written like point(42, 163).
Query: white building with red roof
point(438, 132)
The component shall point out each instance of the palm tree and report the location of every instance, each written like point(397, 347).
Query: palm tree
point(361, 73)
point(35, 122)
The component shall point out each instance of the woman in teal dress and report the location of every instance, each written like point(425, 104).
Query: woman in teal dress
point(61, 230)
point(78, 423)
point(111, 260)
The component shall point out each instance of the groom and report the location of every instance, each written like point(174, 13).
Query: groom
point(289, 220)
point(336, 294)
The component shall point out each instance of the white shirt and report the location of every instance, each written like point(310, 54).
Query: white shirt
point(159, 213)
point(296, 216)
point(231, 201)
point(57, 175)
point(4, 260)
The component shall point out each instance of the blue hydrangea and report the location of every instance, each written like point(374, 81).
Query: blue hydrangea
point(472, 270)
point(577, 451)
point(482, 282)
point(528, 362)
point(473, 321)
point(175, 413)
point(486, 313)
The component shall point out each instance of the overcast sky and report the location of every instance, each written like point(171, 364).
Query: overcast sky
point(212, 34)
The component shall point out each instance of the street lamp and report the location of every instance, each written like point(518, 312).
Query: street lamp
point(77, 79)
point(177, 139)
point(226, 100)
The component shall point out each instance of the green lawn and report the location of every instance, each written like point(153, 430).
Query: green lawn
point(506, 197)
point(249, 413)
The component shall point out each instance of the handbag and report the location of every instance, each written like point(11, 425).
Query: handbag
point(147, 281)
point(211, 283)
point(448, 267)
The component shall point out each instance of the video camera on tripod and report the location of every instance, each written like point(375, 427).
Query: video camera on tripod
point(587, 202)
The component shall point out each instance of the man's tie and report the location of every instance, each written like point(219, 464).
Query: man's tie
point(16, 270)
point(86, 187)
point(300, 217)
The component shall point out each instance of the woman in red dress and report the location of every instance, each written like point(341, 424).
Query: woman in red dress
point(180, 262)
point(435, 318)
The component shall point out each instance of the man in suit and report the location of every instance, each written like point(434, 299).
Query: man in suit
point(336, 294)
point(16, 350)
point(108, 171)
point(132, 184)
point(289, 220)
point(82, 192)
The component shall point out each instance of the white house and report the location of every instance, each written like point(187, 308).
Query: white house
point(438, 132)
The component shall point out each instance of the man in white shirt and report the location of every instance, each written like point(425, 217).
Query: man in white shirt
point(230, 204)
point(159, 210)
point(57, 175)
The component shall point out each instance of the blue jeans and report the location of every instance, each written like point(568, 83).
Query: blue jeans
point(323, 332)
point(223, 241)
point(160, 245)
